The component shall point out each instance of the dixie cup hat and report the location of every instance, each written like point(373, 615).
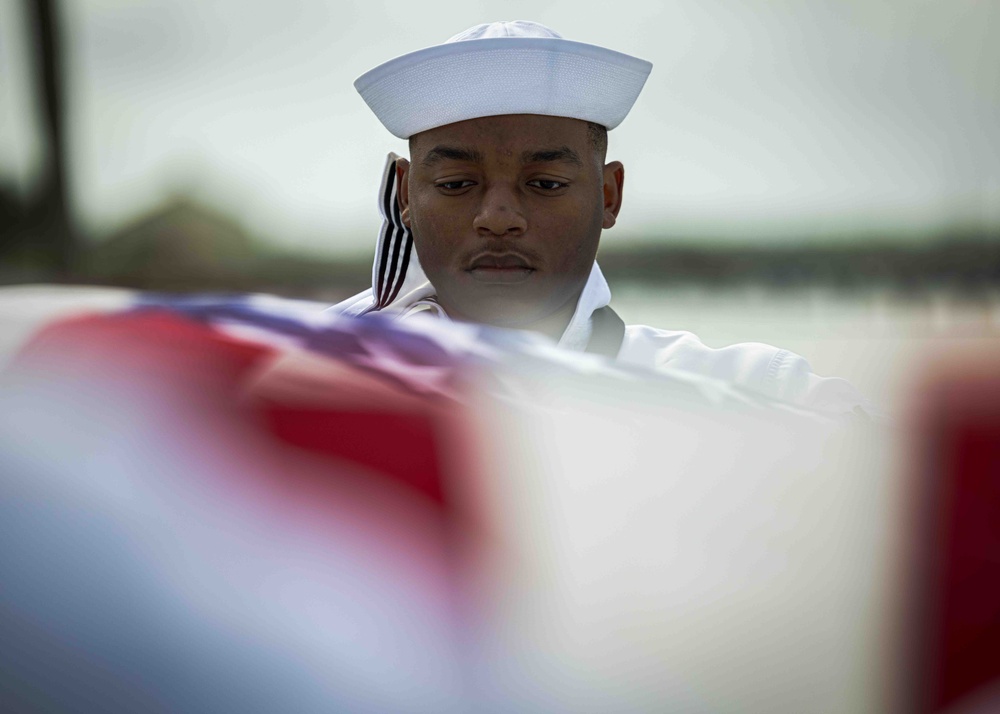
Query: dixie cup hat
point(503, 68)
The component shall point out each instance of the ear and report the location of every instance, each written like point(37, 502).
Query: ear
point(614, 181)
point(403, 190)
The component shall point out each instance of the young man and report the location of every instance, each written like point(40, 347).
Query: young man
point(506, 193)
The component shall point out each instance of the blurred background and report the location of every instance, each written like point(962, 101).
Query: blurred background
point(820, 175)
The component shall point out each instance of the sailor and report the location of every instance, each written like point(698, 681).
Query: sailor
point(497, 215)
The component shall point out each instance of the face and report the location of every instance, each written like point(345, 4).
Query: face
point(506, 214)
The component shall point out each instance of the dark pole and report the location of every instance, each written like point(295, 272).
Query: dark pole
point(55, 228)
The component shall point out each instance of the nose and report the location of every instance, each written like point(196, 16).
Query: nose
point(500, 214)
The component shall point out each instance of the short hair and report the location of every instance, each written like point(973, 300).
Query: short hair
point(598, 136)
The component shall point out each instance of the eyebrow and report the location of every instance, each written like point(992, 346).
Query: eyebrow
point(454, 153)
point(457, 153)
point(563, 153)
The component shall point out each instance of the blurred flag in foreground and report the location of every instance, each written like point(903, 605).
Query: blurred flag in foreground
point(247, 504)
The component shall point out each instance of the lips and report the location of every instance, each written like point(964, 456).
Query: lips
point(500, 261)
point(500, 268)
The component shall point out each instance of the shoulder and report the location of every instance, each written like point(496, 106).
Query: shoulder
point(645, 346)
point(353, 305)
point(774, 372)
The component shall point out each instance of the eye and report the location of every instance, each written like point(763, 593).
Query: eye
point(548, 184)
point(455, 186)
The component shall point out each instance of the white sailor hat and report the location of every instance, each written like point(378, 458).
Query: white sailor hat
point(503, 68)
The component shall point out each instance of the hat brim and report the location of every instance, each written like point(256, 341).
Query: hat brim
point(464, 80)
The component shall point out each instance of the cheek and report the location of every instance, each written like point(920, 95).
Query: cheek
point(435, 213)
point(436, 232)
point(573, 237)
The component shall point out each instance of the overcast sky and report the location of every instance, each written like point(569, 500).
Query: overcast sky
point(761, 117)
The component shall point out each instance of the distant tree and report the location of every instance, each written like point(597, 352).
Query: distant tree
point(50, 224)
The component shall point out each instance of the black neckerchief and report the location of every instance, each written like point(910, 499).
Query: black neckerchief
point(607, 333)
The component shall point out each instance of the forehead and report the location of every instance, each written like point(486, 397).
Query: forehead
point(506, 135)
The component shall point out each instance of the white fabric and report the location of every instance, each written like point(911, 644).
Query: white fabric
point(767, 370)
point(503, 68)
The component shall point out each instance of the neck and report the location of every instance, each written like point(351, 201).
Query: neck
point(552, 324)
